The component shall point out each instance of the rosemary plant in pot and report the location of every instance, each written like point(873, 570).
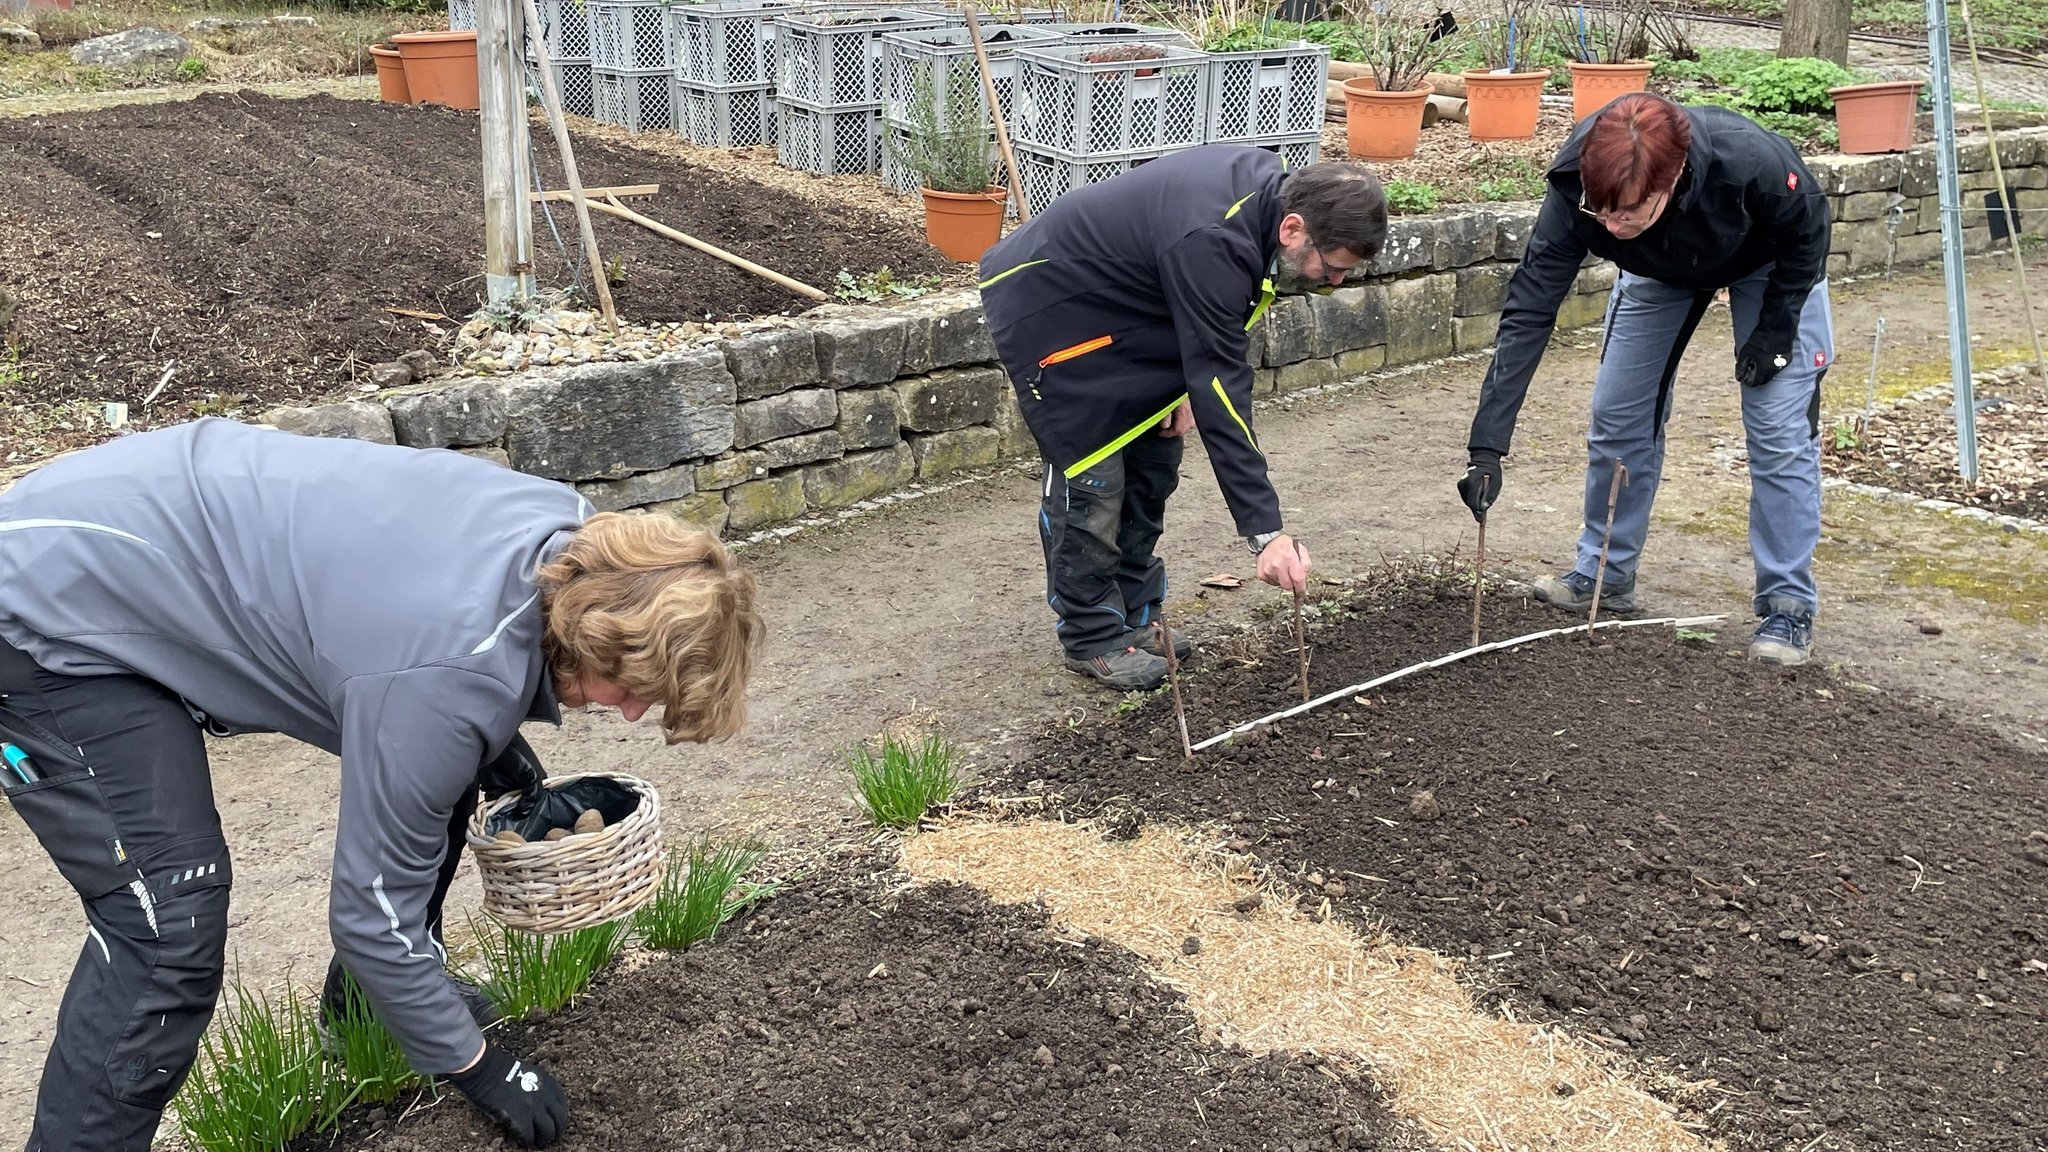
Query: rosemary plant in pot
point(1504, 98)
point(1403, 43)
point(949, 146)
point(1608, 45)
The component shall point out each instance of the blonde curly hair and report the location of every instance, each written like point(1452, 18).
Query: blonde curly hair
point(660, 608)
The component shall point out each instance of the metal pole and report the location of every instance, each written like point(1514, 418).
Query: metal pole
point(1952, 237)
point(501, 101)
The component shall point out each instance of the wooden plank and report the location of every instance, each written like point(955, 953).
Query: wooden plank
point(597, 193)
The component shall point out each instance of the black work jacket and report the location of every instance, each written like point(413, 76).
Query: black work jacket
point(1745, 200)
point(1123, 297)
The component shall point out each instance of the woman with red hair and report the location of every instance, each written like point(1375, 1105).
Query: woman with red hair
point(1685, 201)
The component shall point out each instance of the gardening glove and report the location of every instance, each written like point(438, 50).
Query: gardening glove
point(516, 769)
point(517, 1094)
point(1761, 358)
point(1479, 487)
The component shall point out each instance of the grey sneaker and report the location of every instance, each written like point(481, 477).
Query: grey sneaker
point(1129, 669)
point(1148, 639)
point(1573, 592)
point(1784, 638)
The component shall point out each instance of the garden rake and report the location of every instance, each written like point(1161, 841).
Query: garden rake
point(1614, 487)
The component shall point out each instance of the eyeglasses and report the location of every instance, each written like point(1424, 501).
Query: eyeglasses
point(1635, 214)
point(1323, 257)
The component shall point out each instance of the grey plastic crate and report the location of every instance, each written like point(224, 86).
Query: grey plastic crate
point(945, 57)
point(565, 29)
point(1256, 96)
point(1295, 151)
point(631, 35)
point(1049, 176)
point(727, 41)
point(461, 15)
point(726, 115)
point(572, 80)
point(834, 59)
point(643, 101)
point(1071, 106)
point(1112, 33)
point(827, 141)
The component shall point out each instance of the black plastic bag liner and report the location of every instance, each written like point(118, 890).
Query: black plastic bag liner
point(536, 813)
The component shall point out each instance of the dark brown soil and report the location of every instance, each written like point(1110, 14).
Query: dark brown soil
point(1831, 903)
point(258, 242)
point(836, 1017)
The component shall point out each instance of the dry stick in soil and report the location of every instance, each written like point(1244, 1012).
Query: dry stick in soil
point(551, 98)
point(995, 111)
point(1479, 566)
point(1300, 632)
point(1180, 710)
point(614, 208)
point(1600, 573)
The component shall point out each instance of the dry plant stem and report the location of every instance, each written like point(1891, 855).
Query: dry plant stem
point(995, 112)
point(1300, 631)
point(1180, 710)
point(2019, 261)
point(1479, 566)
point(1600, 573)
point(551, 98)
point(613, 208)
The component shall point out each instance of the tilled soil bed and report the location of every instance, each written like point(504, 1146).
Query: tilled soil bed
point(258, 243)
point(1824, 908)
point(841, 1016)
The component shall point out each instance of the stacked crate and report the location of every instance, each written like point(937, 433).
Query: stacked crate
point(461, 15)
point(565, 31)
point(944, 58)
point(725, 71)
point(1271, 99)
point(632, 63)
point(1081, 121)
point(828, 84)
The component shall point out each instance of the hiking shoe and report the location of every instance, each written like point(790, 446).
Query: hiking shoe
point(1148, 639)
point(1784, 638)
point(1573, 592)
point(1128, 669)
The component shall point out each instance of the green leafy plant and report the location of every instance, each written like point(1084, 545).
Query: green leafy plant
point(1809, 132)
point(1798, 84)
point(906, 780)
point(881, 284)
point(192, 68)
point(259, 1079)
point(1848, 434)
point(700, 889)
point(530, 975)
point(1410, 197)
point(1340, 38)
point(947, 143)
point(1695, 636)
point(1718, 66)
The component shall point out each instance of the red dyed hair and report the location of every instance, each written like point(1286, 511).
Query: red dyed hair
point(1633, 151)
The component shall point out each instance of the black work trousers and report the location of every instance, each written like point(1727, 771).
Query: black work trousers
point(124, 806)
point(1099, 528)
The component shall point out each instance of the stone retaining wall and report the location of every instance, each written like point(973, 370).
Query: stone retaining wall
point(845, 404)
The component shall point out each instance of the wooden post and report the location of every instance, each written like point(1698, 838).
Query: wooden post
point(552, 100)
point(501, 99)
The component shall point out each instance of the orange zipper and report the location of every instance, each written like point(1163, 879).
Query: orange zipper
point(1081, 349)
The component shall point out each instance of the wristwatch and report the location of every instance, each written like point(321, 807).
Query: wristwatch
point(1258, 543)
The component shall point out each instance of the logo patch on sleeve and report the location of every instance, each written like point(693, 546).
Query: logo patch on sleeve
point(1792, 181)
point(1820, 359)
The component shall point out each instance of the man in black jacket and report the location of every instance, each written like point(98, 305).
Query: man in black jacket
point(1122, 314)
point(1686, 201)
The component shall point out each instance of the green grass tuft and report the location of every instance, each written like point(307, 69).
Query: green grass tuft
point(701, 889)
point(898, 787)
point(259, 1080)
point(530, 975)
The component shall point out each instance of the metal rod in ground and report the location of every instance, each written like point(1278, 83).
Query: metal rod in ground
point(1600, 573)
point(1301, 631)
point(1479, 566)
point(1180, 710)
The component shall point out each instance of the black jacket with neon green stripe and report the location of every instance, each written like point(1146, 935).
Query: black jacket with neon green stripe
point(1125, 296)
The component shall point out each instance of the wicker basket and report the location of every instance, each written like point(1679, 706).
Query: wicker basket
point(553, 886)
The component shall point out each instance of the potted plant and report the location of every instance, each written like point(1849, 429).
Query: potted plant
point(1608, 46)
point(1403, 41)
point(1503, 99)
point(1876, 117)
point(948, 146)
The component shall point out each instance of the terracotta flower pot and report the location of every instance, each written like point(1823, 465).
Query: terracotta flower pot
point(1382, 125)
point(390, 75)
point(1876, 117)
point(964, 225)
point(440, 67)
point(1503, 105)
point(1595, 86)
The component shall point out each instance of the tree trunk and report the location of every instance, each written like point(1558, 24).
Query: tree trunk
point(1816, 28)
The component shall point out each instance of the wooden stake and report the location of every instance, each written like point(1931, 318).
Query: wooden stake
point(1479, 567)
point(614, 208)
point(501, 102)
point(1180, 711)
point(551, 100)
point(995, 111)
point(1300, 631)
point(1600, 573)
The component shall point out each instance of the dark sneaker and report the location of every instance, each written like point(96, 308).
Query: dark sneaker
point(1573, 592)
point(1784, 638)
point(1148, 639)
point(1129, 669)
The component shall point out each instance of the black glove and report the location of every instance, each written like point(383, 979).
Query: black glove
point(1479, 487)
point(1761, 358)
point(518, 1095)
point(516, 769)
